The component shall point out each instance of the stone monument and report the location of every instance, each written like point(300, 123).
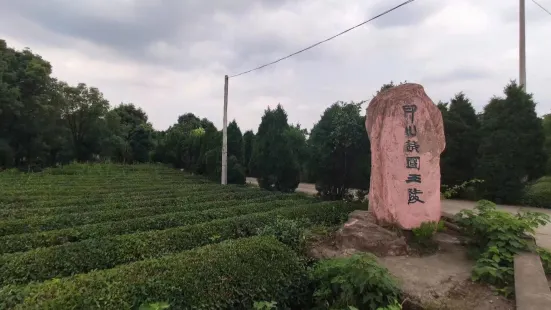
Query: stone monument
point(407, 137)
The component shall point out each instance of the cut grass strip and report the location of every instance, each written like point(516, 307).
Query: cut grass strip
point(103, 253)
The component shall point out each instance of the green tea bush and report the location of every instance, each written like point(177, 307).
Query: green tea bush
point(538, 194)
point(36, 224)
point(204, 212)
point(230, 275)
point(357, 281)
point(287, 231)
point(108, 252)
point(496, 237)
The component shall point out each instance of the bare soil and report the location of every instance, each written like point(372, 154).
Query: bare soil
point(437, 281)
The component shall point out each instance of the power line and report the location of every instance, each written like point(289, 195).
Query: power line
point(541, 6)
point(328, 39)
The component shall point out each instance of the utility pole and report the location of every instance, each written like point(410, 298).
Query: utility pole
point(522, 45)
point(224, 177)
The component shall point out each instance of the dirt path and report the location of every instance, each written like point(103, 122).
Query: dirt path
point(543, 234)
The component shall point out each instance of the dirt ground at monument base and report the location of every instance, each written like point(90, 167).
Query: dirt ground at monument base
point(438, 281)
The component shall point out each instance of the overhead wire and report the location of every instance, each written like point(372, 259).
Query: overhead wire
point(541, 6)
point(326, 40)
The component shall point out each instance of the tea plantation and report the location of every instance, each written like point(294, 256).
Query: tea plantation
point(120, 237)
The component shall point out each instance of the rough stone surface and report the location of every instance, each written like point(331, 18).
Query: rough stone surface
point(403, 123)
point(361, 233)
point(531, 288)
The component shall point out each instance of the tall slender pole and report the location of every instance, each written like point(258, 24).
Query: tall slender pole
point(522, 45)
point(224, 176)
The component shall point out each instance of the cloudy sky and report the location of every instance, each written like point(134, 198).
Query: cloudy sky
point(169, 57)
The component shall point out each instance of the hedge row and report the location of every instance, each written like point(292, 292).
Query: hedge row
point(23, 213)
point(118, 186)
point(36, 224)
point(103, 253)
point(91, 198)
point(99, 199)
point(205, 212)
point(229, 275)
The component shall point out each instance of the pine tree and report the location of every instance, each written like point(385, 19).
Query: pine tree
point(340, 151)
point(462, 140)
point(248, 143)
point(512, 145)
point(273, 161)
point(235, 141)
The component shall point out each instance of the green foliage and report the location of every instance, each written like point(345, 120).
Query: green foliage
point(497, 236)
point(340, 151)
point(394, 306)
point(545, 256)
point(357, 281)
point(511, 149)
point(213, 277)
point(461, 126)
point(274, 160)
point(235, 142)
point(149, 219)
point(538, 194)
point(423, 235)
point(248, 144)
point(450, 192)
point(264, 305)
point(155, 306)
point(287, 231)
point(107, 252)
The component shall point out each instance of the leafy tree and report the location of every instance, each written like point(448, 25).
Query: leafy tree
point(273, 161)
point(462, 140)
point(248, 143)
point(235, 141)
point(298, 144)
point(546, 120)
point(340, 151)
point(83, 110)
point(511, 148)
point(136, 133)
point(26, 113)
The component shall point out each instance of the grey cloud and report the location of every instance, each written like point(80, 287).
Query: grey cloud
point(410, 14)
point(462, 73)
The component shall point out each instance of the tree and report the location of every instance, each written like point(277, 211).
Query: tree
point(273, 161)
point(27, 113)
point(136, 133)
point(462, 141)
point(511, 148)
point(340, 151)
point(248, 143)
point(83, 112)
point(235, 141)
point(546, 120)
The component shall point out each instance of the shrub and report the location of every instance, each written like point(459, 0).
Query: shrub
point(36, 224)
point(231, 275)
point(287, 231)
point(538, 194)
point(102, 253)
point(353, 281)
point(423, 235)
point(194, 214)
point(545, 256)
point(496, 237)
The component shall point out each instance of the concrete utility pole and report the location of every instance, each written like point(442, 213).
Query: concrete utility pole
point(224, 177)
point(522, 45)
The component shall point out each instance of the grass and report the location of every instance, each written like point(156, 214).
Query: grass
point(95, 222)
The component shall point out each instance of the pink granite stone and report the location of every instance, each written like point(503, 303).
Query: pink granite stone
point(403, 122)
